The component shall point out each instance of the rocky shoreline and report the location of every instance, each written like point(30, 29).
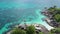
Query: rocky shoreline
point(50, 20)
point(38, 28)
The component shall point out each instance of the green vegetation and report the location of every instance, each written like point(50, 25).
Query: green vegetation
point(31, 30)
point(18, 31)
point(56, 30)
point(40, 32)
point(51, 33)
point(52, 9)
point(57, 17)
point(55, 12)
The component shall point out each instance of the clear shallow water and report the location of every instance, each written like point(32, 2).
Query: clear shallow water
point(13, 12)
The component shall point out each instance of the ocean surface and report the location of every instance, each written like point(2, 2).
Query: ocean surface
point(13, 12)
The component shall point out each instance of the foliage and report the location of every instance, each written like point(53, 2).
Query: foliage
point(40, 32)
point(18, 31)
point(51, 33)
point(56, 13)
point(52, 9)
point(57, 17)
point(31, 30)
point(56, 30)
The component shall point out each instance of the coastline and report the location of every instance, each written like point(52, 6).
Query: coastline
point(37, 27)
point(46, 25)
point(47, 19)
point(50, 20)
point(38, 21)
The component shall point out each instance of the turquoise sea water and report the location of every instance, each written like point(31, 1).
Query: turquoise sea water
point(13, 12)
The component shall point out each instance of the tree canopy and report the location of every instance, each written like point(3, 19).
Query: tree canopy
point(57, 17)
point(18, 31)
point(31, 30)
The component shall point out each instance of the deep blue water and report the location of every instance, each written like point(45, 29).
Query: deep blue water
point(13, 12)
